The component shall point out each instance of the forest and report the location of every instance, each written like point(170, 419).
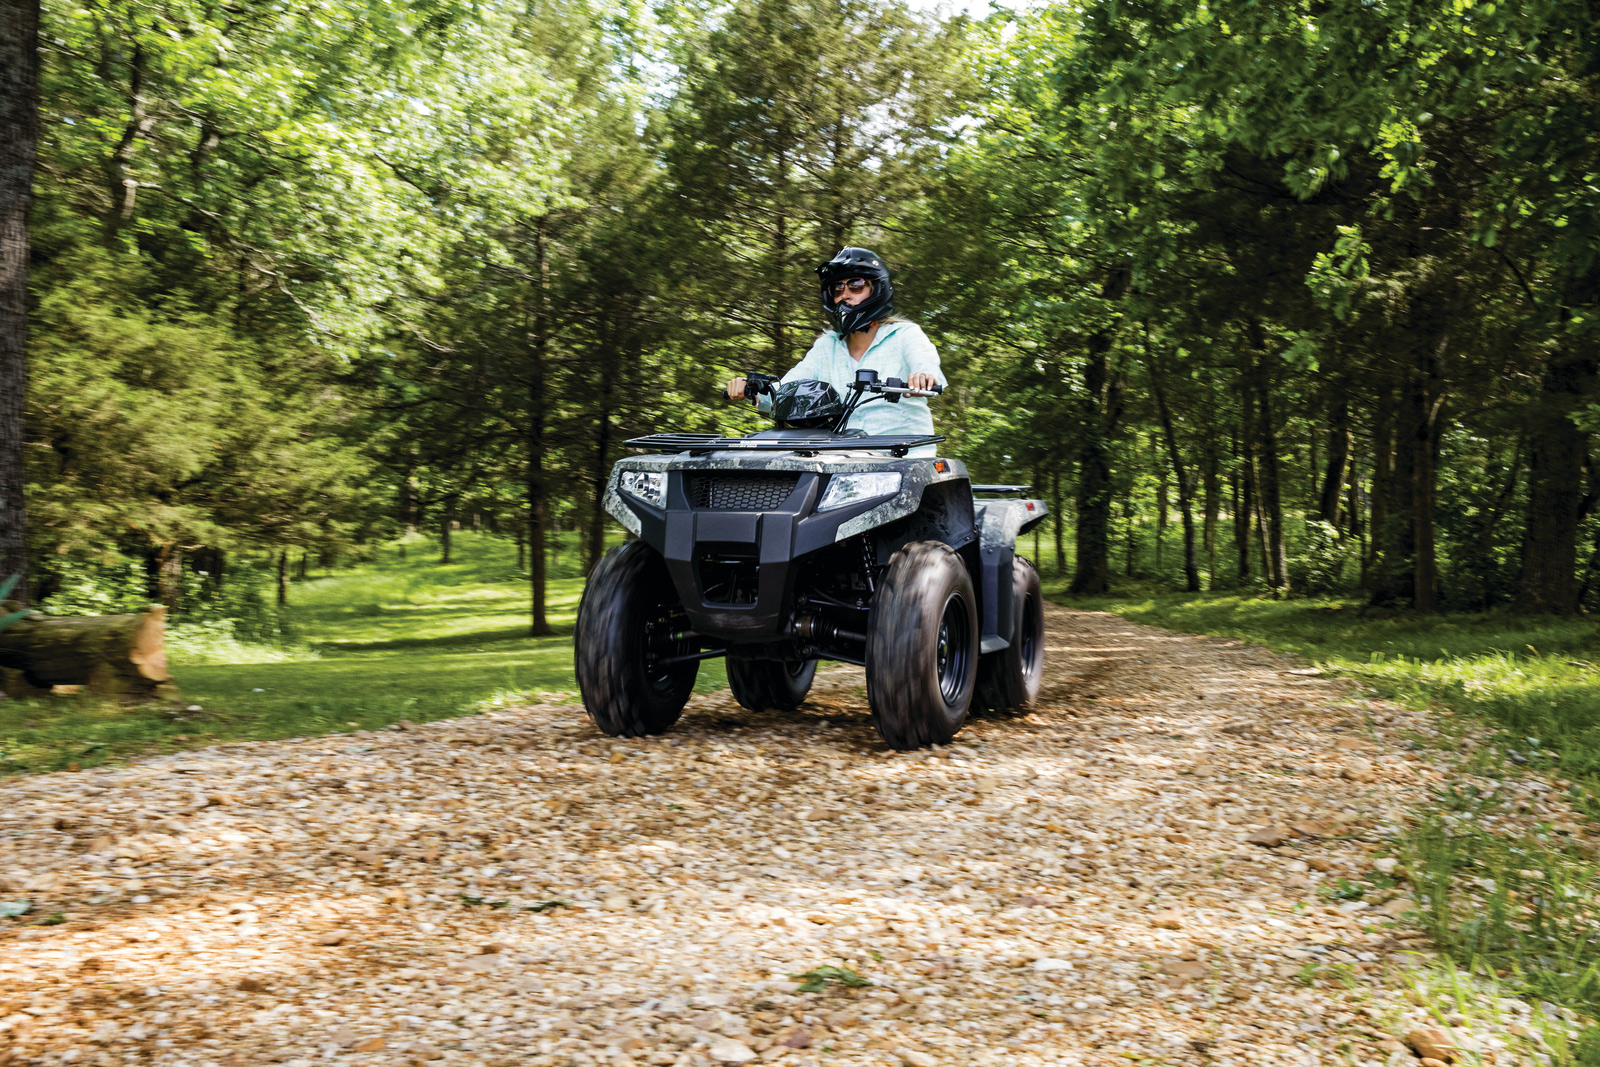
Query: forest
point(1297, 298)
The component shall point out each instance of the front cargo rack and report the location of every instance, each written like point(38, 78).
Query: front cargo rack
point(700, 443)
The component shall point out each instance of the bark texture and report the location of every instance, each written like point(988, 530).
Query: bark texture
point(1098, 417)
point(1549, 578)
point(19, 141)
point(114, 655)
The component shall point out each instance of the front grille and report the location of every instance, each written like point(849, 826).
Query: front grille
point(727, 491)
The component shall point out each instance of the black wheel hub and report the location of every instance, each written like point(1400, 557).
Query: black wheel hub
point(954, 651)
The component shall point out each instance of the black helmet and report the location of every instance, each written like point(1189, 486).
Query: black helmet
point(856, 263)
point(806, 404)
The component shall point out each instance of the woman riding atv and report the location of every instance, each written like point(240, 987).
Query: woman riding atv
point(858, 297)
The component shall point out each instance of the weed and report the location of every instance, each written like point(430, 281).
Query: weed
point(543, 906)
point(818, 978)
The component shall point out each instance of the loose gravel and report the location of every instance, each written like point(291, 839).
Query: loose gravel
point(1136, 872)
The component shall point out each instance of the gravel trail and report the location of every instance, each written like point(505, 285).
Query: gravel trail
point(1070, 887)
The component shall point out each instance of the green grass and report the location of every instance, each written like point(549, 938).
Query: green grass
point(1517, 905)
point(1534, 677)
point(388, 640)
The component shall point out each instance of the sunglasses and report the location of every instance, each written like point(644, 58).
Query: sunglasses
point(854, 285)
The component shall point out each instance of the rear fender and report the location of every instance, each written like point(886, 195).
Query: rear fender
point(1000, 523)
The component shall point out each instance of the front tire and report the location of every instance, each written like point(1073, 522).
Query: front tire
point(759, 684)
point(1009, 680)
point(627, 620)
point(922, 647)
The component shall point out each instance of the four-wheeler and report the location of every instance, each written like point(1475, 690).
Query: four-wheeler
point(809, 542)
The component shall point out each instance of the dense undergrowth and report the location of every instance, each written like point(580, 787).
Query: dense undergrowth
point(391, 639)
point(1505, 889)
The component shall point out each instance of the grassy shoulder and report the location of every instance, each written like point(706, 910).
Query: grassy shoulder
point(1536, 678)
point(397, 638)
point(1506, 881)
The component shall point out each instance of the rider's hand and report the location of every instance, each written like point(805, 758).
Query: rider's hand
point(736, 389)
point(920, 381)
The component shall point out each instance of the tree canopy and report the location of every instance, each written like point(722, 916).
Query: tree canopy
point(1296, 296)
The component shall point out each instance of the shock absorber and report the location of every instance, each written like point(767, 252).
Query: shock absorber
point(869, 562)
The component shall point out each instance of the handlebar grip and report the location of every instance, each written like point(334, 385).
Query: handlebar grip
point(725, 395)
point(936, 389)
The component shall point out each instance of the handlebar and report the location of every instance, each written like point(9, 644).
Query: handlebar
point(756, 384)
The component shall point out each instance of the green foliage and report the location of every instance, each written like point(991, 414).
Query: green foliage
point(8, 584)
point(1322, 565)
point(385, 641)
point(819, 978)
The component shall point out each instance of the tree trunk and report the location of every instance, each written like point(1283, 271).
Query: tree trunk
point(599, 475)
point(1338, 454)
point(522, 549)
point(1161, 505)
point(446, 528)
point(1271, 488)
point(1098, 413)
point(1393, 573)
point(19, 142)
point(1244, 512)
point(114, 655)
point(533, 437)
point(283, 577)
point(1548, 583)
point(1059, 521)
point(1191, 561)
point(1213, 489)
point(1372, 579)
point(163, 569)
point(1426, 398)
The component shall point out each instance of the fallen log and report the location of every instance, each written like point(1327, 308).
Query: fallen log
point(116, 656)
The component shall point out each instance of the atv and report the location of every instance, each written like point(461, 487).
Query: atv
point(797, 544)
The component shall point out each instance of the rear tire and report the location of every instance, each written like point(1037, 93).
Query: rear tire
point(759, 684)
point(922, 647)
point(626, 619)
point(1009, 680)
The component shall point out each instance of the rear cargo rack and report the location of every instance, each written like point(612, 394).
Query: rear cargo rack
point(700, 443)
point(1000, 490)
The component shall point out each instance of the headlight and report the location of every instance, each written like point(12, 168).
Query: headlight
point(849, 488)
point(649, 486)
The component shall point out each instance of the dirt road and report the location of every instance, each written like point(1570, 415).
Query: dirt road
point(1071, 887)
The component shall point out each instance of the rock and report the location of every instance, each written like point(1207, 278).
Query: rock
point(1167, 920)
point(918, 1059)
point(1188, 970)
point(1317, 863)
point(1432, 1042)
point(1359, 770)
point(422, 1053)
point(333, 937)
point(1429, 1061)
point(986, 785)
point(371, 1044)
point(251, 985)
point(1310, 828)
point(727, 1050)
point(796, 1038)
point(1268, 837)
point(1048, 963)
point(616, 902)
point(1355, 744)
point(1396, 907)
